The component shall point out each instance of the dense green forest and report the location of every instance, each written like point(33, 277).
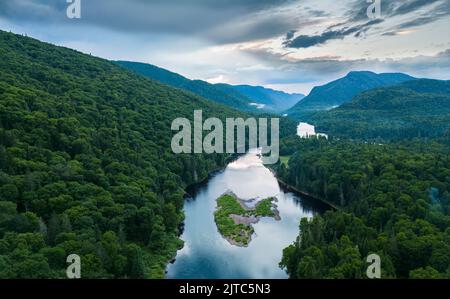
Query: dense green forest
point(86, 165)
point(341, 91)
point(86, 168)
point(387, 169)
point(220, 93)
point(419, 108)
point(393, 199)
point(236, 96)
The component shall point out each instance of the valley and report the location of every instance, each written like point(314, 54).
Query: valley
point(244, 97)
point(206, 254)
point(87, 167)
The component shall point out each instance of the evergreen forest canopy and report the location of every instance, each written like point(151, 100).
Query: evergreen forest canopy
point(86, 165)
point(394, 201)
point(387, 169)
point(242, 97)
point(220, 93)
point(341, 91)
point(414, 109)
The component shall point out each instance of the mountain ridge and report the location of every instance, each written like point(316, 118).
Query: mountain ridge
point(275, 100)
point(86, 164)
point(419, 108)
point(243, 97)
point(219, 94)
point(342, 90)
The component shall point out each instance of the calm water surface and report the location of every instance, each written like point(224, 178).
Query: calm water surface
point(207, 255)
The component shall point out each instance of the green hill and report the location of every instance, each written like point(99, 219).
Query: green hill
point(242, 97)
point(419, 108)
point(273, 100)
point(341, 91)
point(86, 165)
point(220, 93)
point(393, 200)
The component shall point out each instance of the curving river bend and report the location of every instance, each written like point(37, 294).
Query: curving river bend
point(207, 255)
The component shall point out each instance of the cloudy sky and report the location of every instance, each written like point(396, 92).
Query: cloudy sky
point(290, 45)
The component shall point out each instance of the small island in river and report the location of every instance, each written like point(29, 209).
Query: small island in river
point(234, 218)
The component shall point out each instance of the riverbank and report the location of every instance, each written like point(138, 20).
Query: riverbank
point(191, 190)
point(302, 193)
point(207, 254)
point(177, 243)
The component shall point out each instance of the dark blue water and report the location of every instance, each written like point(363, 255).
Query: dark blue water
point(207, 255)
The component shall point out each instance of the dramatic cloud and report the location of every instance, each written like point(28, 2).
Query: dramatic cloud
point(288, 44)
point(440, 11)
point(176, 17)
point(305, 41)
point(389, 8)
point(314, 71)
point(436, 9)
point(290, 34)
point(406, 7)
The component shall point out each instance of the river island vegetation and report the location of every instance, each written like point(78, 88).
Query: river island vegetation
point(86, 165)
point(234, 219)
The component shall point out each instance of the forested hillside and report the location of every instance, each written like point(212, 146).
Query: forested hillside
point(419, 108)
point(274, 100)
point(387, 169)
point(220, 93)
point(86, 165)
point(394, 201)
point(237, 96)
point(343, 90)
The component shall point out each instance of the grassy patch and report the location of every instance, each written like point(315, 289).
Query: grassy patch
point(228, 205)
point(264, 208)
point(285, 160)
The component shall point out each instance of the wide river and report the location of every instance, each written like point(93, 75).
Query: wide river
point(207, 255)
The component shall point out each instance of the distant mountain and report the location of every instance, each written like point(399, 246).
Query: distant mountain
point(243, 97)
point(419, 108)
point(220, 93)
point(341, 91)
point(269, 99)
point(86, 160)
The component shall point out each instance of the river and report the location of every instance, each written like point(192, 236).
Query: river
point(305, 130)
point(207, 255)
